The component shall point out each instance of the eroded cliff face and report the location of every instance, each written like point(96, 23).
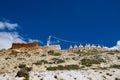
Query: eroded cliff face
point(26, 45)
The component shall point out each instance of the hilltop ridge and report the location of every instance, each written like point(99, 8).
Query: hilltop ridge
point(45, 59)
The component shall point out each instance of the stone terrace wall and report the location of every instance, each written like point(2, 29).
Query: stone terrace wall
point(27, 45)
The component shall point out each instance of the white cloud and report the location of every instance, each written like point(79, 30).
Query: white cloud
point(7, 38)
point(2, 26)
point(34, 40)
point(117, 47)
point(9, 26)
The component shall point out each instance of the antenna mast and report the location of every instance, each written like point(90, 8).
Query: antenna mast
point(48, 41)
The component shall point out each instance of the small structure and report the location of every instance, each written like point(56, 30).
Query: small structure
point(87, 46)
point(58, 47)
point(81, 46)
point(99, 47)
point(48, 41)
point(26, 45)
point(75, 46)
point(70, 47)
point(93, 47)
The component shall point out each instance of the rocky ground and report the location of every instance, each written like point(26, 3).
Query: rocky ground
point(47, 64)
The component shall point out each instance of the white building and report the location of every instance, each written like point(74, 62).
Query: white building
point(58, 47)
point(75, 46)
point(70, 47)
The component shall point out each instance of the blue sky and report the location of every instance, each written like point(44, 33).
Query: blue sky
point(85, 21)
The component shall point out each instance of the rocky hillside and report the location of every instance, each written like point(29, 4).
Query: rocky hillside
point(24, 61)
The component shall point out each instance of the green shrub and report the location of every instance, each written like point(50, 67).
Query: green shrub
point(41, 62)
point(22, 65)
point(51, 51)
point(38, 63)
point(89, 62)
point(73, 67)
point(23, 72)
point(111, 53)
point(79, 52)
point(2, 50)
point(26, 77)
point(67, 67)
point(7, 58)
point(36, 53)
point(118, 57)
point(43, 55)
point(86, 62)
point(116, 51)
point(115, 66)
point(21, 58)
point(44, 61)
point(56, 60)
point(55, 54)
point(55, 68)
point(27, 55)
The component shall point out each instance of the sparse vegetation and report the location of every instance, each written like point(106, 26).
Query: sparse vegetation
point(74, 58)
point(14, 52)
point(89, 62)
point(55, 54)
point(40, 62)
point(66, 67)
point(2, 50)
point(111, 53)
point(22, 66)
point(24, 72)
point(51, 52)
point(116, 51)
point(89, 52)
point(118, 57)
point(56, 60)
point(43, 55)
point(21, 58)
point(78, 52)
point(27, 55)
point(7, 58)
point(60, 60)
point(26, 77)
point(115, 66)
point(36, 53)
point(86, 62)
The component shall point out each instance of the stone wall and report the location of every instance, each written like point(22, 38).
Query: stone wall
point(27, 45)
